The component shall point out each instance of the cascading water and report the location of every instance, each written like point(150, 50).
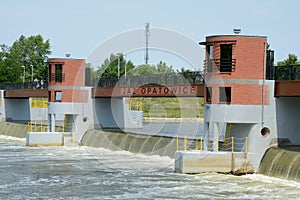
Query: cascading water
point(281, 163)
point(136, 143)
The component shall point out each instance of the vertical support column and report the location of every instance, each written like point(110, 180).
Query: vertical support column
point(2, 106)
point(49, 123)
point(205, 139)
point(215, 137)
point(52, 122)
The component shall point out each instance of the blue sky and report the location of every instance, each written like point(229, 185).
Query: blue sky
point(79, 26)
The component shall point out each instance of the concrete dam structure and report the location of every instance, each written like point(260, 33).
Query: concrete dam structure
point(246, 110)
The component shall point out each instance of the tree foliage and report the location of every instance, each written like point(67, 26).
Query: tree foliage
point(160, 68)
point(109, 67)
point(291, 60)
point(288, 69)
point(29, 53)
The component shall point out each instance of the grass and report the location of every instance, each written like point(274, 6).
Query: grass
point(170, 107)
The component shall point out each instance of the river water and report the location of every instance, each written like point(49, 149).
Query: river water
point(96, 173)
point(189, 129)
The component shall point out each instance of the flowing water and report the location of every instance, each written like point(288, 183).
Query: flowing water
point(282, 163)
point(97, 173)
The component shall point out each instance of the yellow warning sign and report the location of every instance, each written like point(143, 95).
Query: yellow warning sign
point(39, 103)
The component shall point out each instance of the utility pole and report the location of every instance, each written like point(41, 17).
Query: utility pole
point(119, 66)
point(147, 35)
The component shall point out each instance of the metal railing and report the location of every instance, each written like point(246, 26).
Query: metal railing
point(153, 79)
point(220, 65)
point(41, 127)
point(232, 144)
point(58, 77)
point(23, 86)
point(287, 72)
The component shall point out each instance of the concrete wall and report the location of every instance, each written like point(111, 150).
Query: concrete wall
point(115, 113)
point(21, 109)
point(288, 118)
point(247, 121)
point(17, 109)
point(191, 162)
point(82, 114)
point(109, 112)
point(34, 139)
point(38, 112)
point(2, 106)
point(101, 105)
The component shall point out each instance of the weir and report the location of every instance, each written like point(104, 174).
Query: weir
point(135, 143)
point(281, 162)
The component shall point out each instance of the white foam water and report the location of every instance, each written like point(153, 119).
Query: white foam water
point(97, 173)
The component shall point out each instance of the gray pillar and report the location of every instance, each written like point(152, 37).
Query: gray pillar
point(52, 122)
point(215, 137)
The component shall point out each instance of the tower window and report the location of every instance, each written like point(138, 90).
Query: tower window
point(210, 56)
point(58, 95)
point(208, 94)
point(225, 94)
point(226, 58)
point(58, 73)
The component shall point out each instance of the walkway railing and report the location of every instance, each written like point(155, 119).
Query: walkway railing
point(41, 127)
point(23, 86)
point(232, 144)
point(135, 105)
point(288, 72)
point(185, 78)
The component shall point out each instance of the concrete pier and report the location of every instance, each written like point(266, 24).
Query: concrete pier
point(44, 139)
point(193, 162)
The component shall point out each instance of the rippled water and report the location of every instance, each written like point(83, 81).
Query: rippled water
point(89, 173)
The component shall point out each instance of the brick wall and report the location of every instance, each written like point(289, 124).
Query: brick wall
point(243, 94)
point(249, 53)
point(73, 71)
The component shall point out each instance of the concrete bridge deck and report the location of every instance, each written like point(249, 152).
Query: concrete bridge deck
point(283, 88)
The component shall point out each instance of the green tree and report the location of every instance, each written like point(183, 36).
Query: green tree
point(143, 70)
point(291, 60)
point(8, 70)
point(160, 68)
point(163, 68)
point(30, 53)
point(109, 68)
point(288, 69)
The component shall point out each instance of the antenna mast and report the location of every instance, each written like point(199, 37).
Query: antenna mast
point(147, 35)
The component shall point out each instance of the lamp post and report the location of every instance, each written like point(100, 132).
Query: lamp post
point(31, 73)
point(125, 66)
point(125, 70)
point(23, 73)
point(119, 66)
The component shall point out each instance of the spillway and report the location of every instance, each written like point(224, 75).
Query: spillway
point(281, 163)
point(136, 143)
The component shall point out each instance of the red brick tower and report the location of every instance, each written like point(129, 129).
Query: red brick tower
point(239, 101)
point(237, 62)
point(67, 94)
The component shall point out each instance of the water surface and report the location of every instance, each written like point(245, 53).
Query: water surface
point(97, 173)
